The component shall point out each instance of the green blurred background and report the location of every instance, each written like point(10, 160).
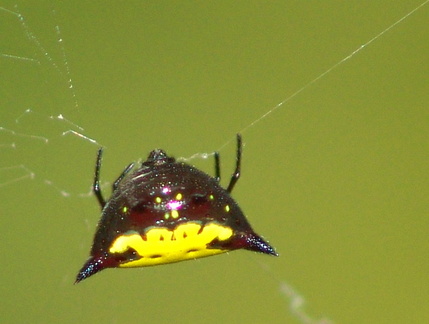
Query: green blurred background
point(336, 179)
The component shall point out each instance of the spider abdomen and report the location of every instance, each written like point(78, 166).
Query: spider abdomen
point(168, 211)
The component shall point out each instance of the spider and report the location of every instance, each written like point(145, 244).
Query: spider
point(166, 211)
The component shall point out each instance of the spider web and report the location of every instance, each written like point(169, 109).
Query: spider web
point(50, 124)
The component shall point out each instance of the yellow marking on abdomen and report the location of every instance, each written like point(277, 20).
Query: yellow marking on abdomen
point(166, 246)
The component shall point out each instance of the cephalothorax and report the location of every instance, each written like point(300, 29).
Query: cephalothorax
point(167, 211)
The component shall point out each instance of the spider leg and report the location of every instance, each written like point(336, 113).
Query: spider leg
point(96, 186)
point(236, 175)
point(123, 174)
point(217, 166)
